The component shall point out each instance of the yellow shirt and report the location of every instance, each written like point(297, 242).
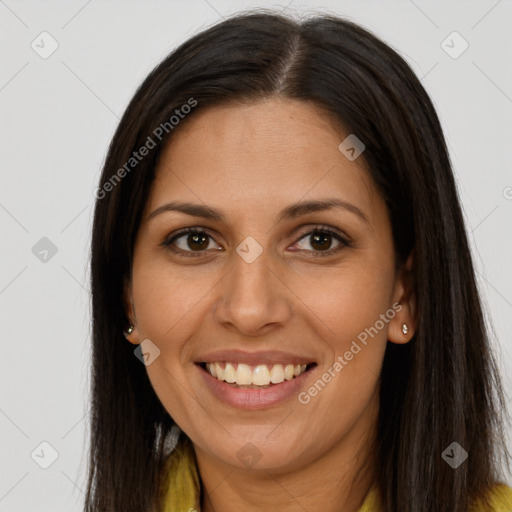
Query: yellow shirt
point(182, 489)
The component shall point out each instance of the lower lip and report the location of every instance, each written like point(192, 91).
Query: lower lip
point(254, 399)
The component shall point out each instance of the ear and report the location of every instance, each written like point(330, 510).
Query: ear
point(129, 309)
point(405, 295)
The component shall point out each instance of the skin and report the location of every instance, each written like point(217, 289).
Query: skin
point(250, 161)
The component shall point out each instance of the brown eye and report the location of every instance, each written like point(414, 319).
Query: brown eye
point(197, 241)
point(321, 241)
point(189, 241)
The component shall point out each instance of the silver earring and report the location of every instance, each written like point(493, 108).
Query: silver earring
point(129, 330)
point(405, 329)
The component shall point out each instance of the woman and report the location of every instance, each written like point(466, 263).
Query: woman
point(278, 235)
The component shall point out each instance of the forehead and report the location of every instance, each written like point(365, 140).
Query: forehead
point(269, 152)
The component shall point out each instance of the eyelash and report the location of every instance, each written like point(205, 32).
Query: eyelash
point(319, 229)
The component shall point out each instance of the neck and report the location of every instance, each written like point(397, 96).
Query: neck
point(336, 480)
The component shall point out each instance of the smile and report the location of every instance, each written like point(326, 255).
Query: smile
point(258, 376)
point(254, 380)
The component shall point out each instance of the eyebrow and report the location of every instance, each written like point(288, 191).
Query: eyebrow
point(290, 212)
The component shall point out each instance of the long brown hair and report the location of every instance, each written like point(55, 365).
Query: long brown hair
point(440, 388)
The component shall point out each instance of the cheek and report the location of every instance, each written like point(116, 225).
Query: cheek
point(166, 301)
point(167, 308)
point(347, 300)
point(351, 313)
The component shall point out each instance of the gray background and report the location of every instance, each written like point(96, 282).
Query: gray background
point(57, 117)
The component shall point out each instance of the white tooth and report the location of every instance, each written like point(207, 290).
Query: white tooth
point(288, 372)
point(261, 375)
point(211, 368)
point(296, 370)
point(229, 373)
point(277, 374)
point(303, 368)
point(243, 374)
point(219, 371)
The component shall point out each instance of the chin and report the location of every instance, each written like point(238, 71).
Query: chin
point(257, 448)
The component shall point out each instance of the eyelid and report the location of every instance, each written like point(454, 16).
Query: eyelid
point(322, 228)
point(343, 240)
point(168, 240)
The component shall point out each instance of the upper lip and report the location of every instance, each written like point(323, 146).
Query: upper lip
point(254, 358)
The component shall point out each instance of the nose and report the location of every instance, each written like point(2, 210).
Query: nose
point(253, 299)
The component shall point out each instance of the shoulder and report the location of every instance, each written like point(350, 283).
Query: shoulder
point(500, 500)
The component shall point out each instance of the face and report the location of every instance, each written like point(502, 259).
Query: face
point(295, 303)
